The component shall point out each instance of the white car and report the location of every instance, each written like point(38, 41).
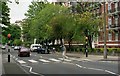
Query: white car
point(3, 47)
point(16, 48)
point(34, 47)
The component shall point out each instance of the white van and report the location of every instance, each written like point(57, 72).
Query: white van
point(34, 47)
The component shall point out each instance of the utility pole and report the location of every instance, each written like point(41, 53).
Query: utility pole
point(105, 48)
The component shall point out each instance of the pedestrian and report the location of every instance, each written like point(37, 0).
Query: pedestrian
point(63, 48)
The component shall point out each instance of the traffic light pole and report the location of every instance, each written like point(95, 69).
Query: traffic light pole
point(8, 54)
point(86, 47)
point(86, 52)
point(9, 35)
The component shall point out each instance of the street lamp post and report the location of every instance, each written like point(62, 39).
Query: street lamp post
point(105, 48)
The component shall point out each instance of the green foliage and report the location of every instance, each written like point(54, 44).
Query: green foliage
point(15, 31)
point(48, 21)
point(17, 42)
point(5, 20)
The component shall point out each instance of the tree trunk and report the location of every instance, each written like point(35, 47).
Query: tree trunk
point(69, 42)
point(61, 42)
point(53, 42)
point(90, 41)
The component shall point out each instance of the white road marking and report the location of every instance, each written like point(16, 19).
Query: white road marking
point(87, 60)
point(97, 69)
point(78, 65)
point(31, 70)
point(21, 61)
point(55, 60)
point(40, 56)
point(64, 59)
point(16, 58)
point(110, 72)
point(33, 61)
point(46, 61)
point(13, 56)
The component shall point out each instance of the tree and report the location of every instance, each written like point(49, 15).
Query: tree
point(15, 31)
point(40, 28)
point(17, 42)
point(63, 27)
point(28, 23)
point(91, 7)
point(89, 26)
point(4, 19)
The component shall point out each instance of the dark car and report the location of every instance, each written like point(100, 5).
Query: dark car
point(41, 50)
point(24, 52)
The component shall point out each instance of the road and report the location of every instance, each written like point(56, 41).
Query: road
point(42, 64)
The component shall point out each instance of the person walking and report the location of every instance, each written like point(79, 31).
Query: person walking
point(64, 52)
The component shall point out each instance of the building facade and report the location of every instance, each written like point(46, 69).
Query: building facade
point(112, 26)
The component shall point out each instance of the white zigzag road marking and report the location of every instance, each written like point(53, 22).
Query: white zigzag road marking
point(21, 61)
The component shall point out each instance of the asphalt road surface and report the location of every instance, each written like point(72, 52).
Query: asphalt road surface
point(42, 64)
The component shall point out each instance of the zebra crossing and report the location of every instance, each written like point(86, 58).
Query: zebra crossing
point(42, 60)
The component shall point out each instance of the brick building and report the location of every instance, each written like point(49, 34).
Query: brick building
point(112, 26)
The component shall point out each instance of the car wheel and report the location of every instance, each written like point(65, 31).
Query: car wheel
point(28, 55)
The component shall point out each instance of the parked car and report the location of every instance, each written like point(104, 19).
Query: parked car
point(12, 46)
point(41, 50)
point(17, 48)
point(3, 47)
point(34, 47)
point(24, 52)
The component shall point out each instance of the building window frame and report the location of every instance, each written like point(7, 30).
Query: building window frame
point(116, 21)
point(109, 6)
point(116, 36)
point(109, 36)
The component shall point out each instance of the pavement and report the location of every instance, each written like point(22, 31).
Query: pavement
point(18, 70)
point(1, 64)
point(10, 68)
point(82, 56)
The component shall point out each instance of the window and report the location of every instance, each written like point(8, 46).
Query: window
point(109, 22)
point(110, 36)
point(116, 5)
point(116, 21)
point(109, 6)
point(116, 36)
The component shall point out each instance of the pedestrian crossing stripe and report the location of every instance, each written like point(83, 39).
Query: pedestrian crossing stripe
point(55, 60)
point(64, 59)
point(33, 61)
point(43, 60)
point(21, 61)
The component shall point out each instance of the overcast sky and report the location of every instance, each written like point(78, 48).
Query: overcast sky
point(17, 11)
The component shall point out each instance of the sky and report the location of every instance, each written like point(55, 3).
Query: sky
point(17, 11)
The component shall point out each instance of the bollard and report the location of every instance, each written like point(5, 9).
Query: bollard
point(86, 51)
point(8, 55)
